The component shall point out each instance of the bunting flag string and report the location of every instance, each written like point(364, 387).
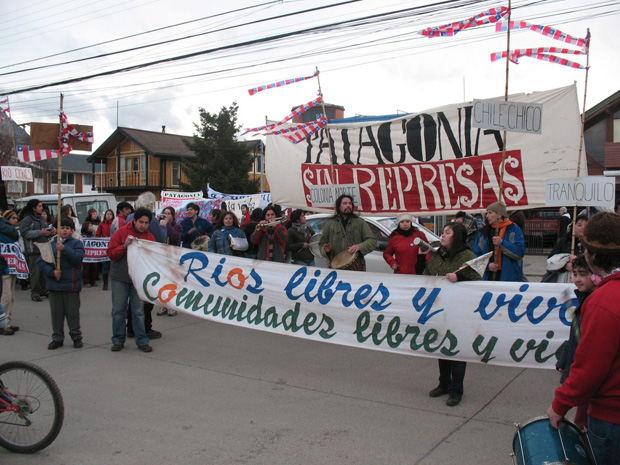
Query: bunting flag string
point(5, 113)
point(547, 31)
point(69, 130)
point(558, 60)
point(296, 112)
point(26, 154)
point(301, 132)
point(530, 52)
point(286, 82)
point(447, 30)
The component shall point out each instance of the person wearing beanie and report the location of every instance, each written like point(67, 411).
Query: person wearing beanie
point(505, 239)
point(594, 376)
point(403, 256)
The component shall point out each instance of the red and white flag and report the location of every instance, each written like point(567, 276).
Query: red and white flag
point(26, 154)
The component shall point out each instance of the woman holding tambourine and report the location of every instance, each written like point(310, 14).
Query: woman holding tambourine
point(446, 261)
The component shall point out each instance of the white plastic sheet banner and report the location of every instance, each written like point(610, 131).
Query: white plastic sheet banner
point(432, 162)
point(511, 324)
point(176, 199)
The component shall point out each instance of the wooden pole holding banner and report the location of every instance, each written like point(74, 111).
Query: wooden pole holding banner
point(501, 177)
point(329, 137)
point(59, 183)
point(583, 126)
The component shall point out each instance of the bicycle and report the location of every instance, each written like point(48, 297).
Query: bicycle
point(31, 407)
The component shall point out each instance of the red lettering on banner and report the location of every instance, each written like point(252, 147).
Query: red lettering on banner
point(466, 183)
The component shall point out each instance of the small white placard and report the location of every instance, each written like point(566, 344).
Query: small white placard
point(64, 189)
point(507, 116)
point(325, 196)
point(16, 173)
point(589, 191)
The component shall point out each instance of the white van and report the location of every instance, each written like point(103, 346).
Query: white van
point(81, 203)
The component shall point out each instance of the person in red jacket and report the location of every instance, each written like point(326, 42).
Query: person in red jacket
point(103, 230)
point(594, 376)
point(401, 253)
point(123, 290)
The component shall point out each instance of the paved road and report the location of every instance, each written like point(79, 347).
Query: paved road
point(215, 394)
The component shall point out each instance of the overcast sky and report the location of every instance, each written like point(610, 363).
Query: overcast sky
point(378, 67)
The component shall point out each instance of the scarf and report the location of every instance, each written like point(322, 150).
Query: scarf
point(302, 229)
point(503, 225)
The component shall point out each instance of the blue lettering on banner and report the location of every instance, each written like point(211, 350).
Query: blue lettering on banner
point(363, 297)
point(514, 302)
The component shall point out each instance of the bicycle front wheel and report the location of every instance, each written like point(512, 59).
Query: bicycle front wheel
point(40, 413)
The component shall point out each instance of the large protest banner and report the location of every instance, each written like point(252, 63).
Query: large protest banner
point(432, 162)
point(511, 324)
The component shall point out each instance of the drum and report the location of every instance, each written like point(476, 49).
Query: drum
point(314, 245)
point(343, 260)
point(538, 443)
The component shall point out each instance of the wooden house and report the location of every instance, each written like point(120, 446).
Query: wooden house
point(134, 161)
point(602, 136)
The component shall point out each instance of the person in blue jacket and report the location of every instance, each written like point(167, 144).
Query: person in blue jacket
point(505, 239)
point(64, 285)
point(227, 225)
point(194, 226)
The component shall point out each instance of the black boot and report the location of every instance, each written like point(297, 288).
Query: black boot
point(105, 282)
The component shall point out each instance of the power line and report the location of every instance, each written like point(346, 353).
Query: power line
point(139, 34)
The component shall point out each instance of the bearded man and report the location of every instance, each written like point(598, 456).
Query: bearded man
point(347, 231)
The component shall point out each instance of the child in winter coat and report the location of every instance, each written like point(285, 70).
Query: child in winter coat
point(64, 285)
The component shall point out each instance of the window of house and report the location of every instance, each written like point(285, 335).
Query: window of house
point(616, 135)
point(176, 173)
point(87, 180)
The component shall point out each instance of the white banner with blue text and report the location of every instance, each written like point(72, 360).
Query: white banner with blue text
point(497, 323)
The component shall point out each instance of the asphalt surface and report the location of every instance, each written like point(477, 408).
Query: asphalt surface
point(210, 393)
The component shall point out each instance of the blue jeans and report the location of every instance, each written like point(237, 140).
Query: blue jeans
point(301, 263)
point(604, 438)
point(121, 293)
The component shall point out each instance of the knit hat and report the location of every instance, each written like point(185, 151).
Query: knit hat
point(7, 214)
point(404, 216)
point(499, 208)
point(602, 234)
point(91, 211)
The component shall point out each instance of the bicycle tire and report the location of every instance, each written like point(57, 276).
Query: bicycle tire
point(37, 391)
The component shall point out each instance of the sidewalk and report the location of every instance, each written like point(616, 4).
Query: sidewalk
point(215, 394)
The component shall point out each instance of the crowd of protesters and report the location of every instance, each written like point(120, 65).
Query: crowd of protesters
point(587, 253)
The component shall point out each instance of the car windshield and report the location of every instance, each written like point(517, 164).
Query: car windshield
point(389, 223)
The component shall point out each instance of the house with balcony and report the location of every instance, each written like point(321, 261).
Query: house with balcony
point(602, 138)
point(132, 161)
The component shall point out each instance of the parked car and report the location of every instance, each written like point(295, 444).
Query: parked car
point(381, 227)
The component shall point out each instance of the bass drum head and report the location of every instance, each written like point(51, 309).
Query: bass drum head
point(314, 245)
point(536, 442)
